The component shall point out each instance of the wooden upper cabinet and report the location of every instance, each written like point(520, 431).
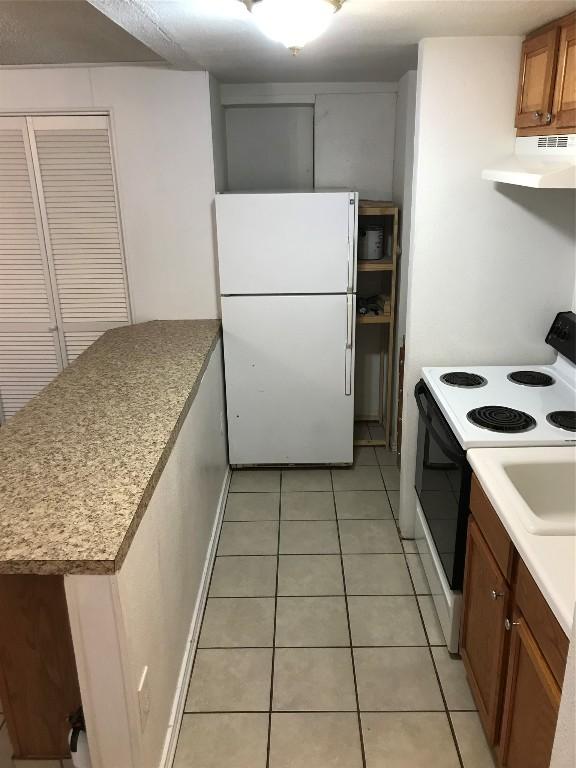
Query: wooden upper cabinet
point(564, 109)
point(531, 703)
point(547, 87)
point(537, 75)
point(483, 638)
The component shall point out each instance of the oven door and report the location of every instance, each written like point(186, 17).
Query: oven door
point(443, 485)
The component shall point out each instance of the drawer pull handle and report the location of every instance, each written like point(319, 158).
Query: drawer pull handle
point(495, 595)
point(509, 624)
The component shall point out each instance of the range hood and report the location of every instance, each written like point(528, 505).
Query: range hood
point(543, 162)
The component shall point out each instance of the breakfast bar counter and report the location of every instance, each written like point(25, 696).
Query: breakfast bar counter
point(80, 462)
point(111, 482)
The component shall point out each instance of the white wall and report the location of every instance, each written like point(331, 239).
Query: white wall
point(143, 615)
point(490, 265)
point(270, 147)
point(354, 142)
point(161, 126)
point(402, 195)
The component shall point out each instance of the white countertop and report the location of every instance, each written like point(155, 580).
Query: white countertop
point(550, 559)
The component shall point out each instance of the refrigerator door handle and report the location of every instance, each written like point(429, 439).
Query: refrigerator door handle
point(348, 372)
point(352, 234)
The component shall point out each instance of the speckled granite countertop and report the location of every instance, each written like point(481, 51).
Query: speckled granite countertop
point(79, 463)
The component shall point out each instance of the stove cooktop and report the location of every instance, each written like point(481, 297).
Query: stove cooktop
point(507, 405)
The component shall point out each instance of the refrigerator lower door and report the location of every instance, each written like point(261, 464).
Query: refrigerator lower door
point(294, 242)
point(289, 383)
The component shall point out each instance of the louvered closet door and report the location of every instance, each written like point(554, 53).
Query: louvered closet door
point(29, 343)
point(82, 228)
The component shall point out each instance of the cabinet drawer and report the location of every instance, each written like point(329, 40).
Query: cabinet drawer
point(492, 529)
point(543, 624)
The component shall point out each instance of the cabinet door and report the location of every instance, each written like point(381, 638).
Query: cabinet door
point(536, 86)
point(483, 638)
point(531, 703)
point(565, 90)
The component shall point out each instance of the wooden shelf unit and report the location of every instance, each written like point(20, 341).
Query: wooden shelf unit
point(386, 322)
point(384, 316)
point(373, 319)
point(375, 266)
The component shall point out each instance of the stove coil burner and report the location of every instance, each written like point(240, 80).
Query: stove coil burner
point(531, 378)
point(463, 379)
point(563, 420)
point(498, 418)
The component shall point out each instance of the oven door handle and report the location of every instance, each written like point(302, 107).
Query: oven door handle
point(419, 391)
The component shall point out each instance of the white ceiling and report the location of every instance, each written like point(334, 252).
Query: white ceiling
point(63, 32)
point(368, 39)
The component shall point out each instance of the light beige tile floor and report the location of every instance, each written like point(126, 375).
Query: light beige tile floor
point(408, 740)
point(360, 537)
point(377, 575)
point(358, 478)
point(311, 621)
point(246, 507)
point(365, 456)
point(315, 740)
point(320, 645)
point(308, 505)
point(385, 620)
point(244, 576)
point(362, 505)
point(306, 480)
point(310, 575)
point(225, 740)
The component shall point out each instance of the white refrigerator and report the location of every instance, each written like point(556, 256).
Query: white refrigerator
point(287, 265)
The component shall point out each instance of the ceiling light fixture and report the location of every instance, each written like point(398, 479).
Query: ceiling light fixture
point(293, 22)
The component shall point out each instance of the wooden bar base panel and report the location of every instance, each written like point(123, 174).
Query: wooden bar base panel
point(38, 679)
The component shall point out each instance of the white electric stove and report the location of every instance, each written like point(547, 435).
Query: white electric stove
point(464, 407)
point(501, 405)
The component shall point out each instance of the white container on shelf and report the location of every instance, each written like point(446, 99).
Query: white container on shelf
point(371, 242)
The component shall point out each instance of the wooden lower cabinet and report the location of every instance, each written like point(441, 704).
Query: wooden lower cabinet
point(38, 679)
point(483, 637)
point(531, 703)
point(512, 646)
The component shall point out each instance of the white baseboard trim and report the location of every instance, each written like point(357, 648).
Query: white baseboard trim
point(173, 731)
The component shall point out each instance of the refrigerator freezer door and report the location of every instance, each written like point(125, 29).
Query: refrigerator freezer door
point(299, 242)
point(287, 362)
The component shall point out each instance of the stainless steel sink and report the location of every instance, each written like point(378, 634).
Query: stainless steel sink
point(548, 489)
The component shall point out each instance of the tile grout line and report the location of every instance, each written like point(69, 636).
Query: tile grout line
point(360, 733)
point(269, 741)
point(438, 681)
point(324, 711)
point(310, 647)
point(312, 597)
point(323, 554)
